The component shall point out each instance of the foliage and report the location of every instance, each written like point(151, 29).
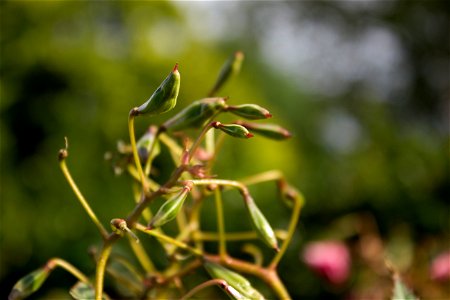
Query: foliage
point(193, 165)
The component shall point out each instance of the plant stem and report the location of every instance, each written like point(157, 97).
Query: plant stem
point(269, 276)
point(220, 223)
point(263, 177)
point(168, 239)
point(235, 236)
point(81, 199)
point(137, 161)
point(142, 256)
point(199, 139)
point(195, 290)
point(101, 265)
point(222, 182)
point(52, 263)
point(298, 203)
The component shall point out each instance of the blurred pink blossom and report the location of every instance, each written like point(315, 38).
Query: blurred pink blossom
point(440, 267)
point(330, 259)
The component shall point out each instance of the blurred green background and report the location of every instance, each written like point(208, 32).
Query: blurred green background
point(363, 85)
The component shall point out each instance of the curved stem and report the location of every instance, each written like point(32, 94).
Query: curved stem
point(137, 161)
point(68, 267)
point(298, 203)
point(81, 199)
point(195, 290)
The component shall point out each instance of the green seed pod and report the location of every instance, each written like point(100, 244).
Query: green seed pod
point(239, 286)
point(29, 284)
point(233, 130)
point(82, 291)
point(169, 210)
point(250, 111)
point(143, 145)
point(231, 67)
point(271, 131)
point(262, 227)
point(165, 96)
point(195, 115)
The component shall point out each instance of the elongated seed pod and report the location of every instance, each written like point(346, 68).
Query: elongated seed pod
point(230, 68)
point(196, 115)
point(29, 283)
point(250, 111)
point(169, 210)
point(143, 145)
point(233, 130)
point(242, 287)
point(261, 225)
point(271, 131)
point(165, 96)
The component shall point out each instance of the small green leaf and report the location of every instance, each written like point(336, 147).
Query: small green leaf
point(196, 115)
point(29, 283)
point(234, 130)
point(250, 111)
point(84, 291)
point(261, 225)
point(239, 286)
point(164, 98)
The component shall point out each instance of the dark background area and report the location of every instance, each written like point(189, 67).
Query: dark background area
point(363, 85)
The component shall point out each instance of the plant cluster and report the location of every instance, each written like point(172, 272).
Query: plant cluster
point(184, 192)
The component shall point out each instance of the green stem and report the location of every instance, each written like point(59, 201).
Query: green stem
point(137, 161)
point(199, 140)
point(298, 203)
point(222, 182)
point(263, 177)
point(81, 199)
point(220, 224)
point(168, 239)
point(101, 265)
point(52, 263)
point(235, 236)
point(142, 256)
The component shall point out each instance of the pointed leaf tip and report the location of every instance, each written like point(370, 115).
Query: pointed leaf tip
point(175, 69)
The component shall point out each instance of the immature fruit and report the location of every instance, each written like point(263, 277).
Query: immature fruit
point(250, 111)
point(241, 287)
point(144, 144)
point(165, 96)
point(196, 115)
point(170, 209)
point(271, 131)
point(261, 225)
point(29, 283)
point(233, 130)
point(231, 67)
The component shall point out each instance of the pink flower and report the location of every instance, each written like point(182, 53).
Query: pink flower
point(440, 267)
point(330, 259)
